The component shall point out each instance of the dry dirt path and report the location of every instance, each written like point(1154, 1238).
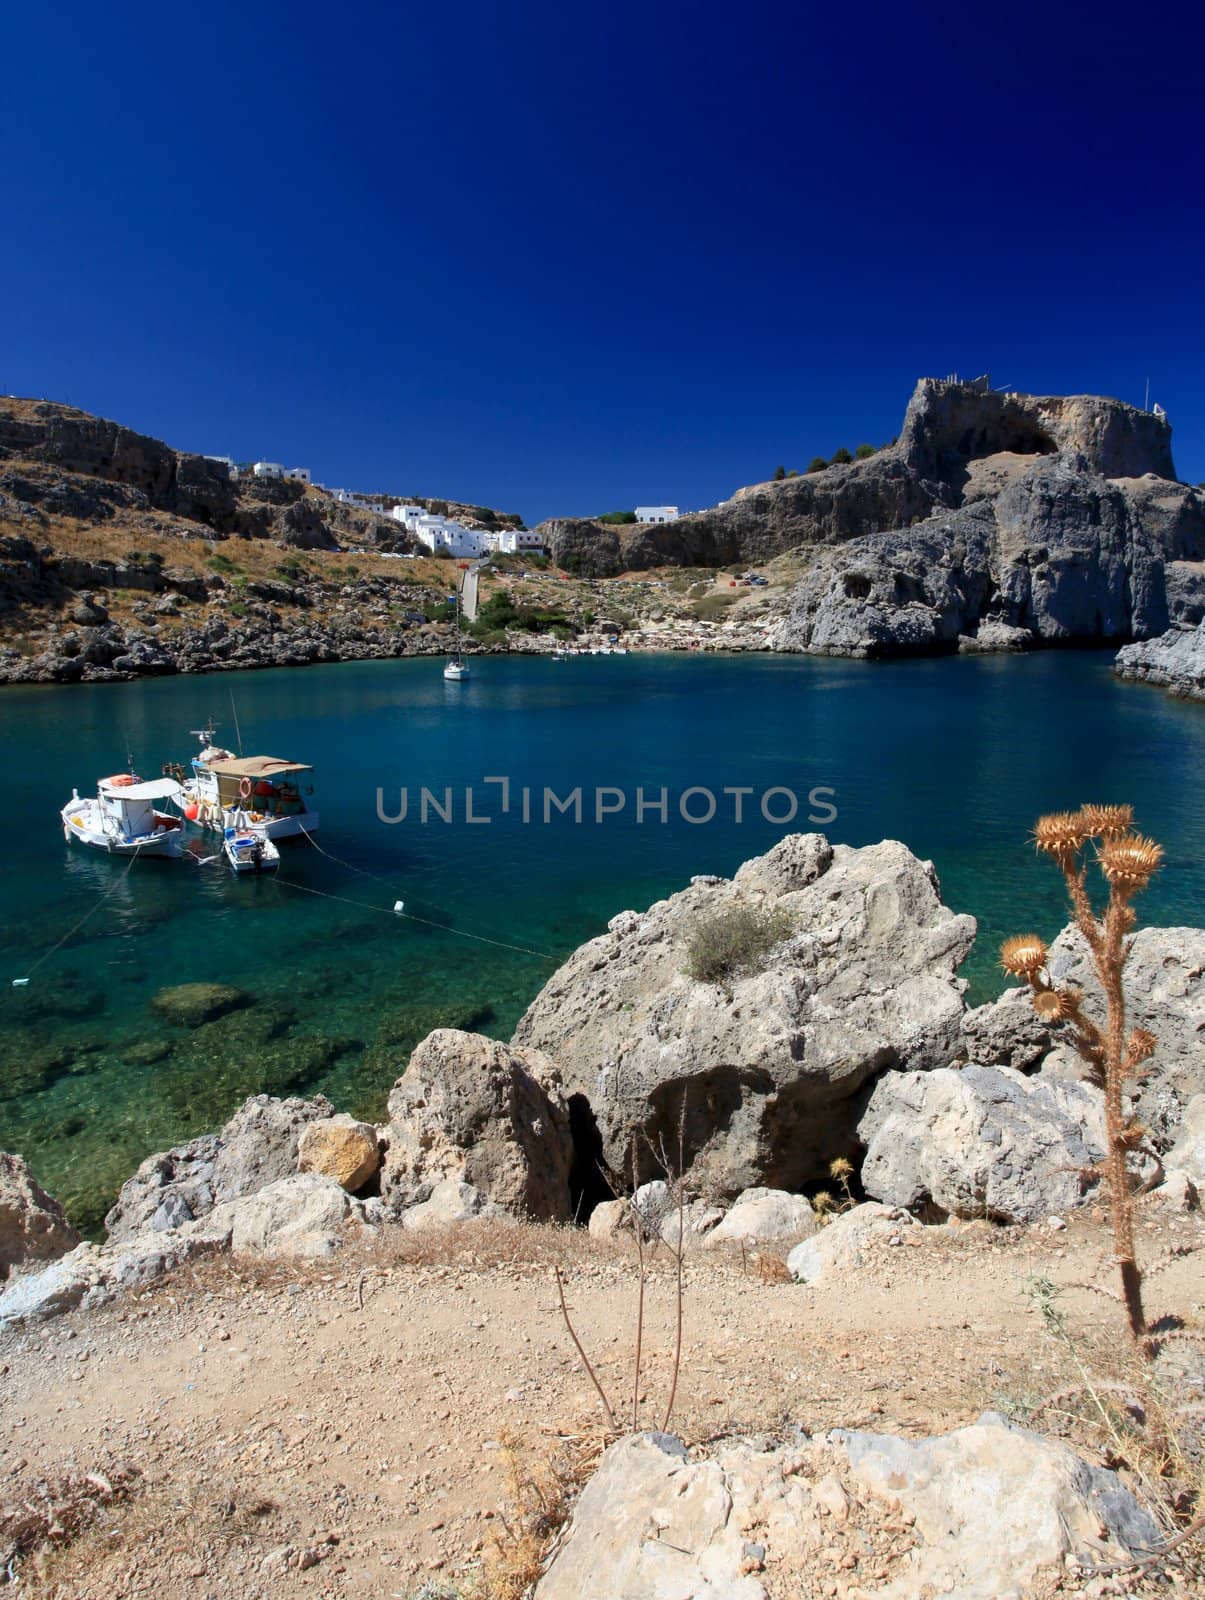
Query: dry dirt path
point(293, 1440)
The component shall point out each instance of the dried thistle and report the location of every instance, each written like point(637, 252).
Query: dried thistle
point(1024, 955)
point(1107, 822)
point(1062, 834)
point(1052, 1005)
point(1129, 863)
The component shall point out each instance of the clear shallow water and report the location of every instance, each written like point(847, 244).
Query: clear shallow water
point(955, 757)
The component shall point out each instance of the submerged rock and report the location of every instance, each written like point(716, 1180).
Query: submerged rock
point(484, 1114)
point(188, 1005)
point(863, 979)
point(33, 1226)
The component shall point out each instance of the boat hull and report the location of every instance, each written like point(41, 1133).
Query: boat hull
point(82, 824)
point(242, 856)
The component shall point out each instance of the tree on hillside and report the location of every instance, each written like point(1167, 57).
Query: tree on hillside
point(779, 474)
point(864, 452)
point(841, 457)
point(817, 464)
point(792, 473)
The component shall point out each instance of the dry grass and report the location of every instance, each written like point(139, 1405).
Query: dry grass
point(41, 1521)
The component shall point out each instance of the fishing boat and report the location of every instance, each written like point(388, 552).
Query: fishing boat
point(272, 794)
point(247, 848)
point(123, 819)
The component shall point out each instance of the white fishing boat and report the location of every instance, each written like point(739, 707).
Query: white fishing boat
point(455, 670)
point(123, 820)
point(248, 848)
point(271, 793)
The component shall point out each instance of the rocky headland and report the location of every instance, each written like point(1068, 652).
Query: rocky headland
point(994, 522)
point(837, 1054)
point(1175, 660)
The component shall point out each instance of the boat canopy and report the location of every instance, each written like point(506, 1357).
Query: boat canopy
point(256, 767)
point(157, 789)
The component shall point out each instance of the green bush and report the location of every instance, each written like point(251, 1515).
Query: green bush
point(709, 606)
point(779, 474)
point(221, 564)
point(618, 516)
point(734, 943)
point(817, 464)
point(865, 451)
point(841, 457)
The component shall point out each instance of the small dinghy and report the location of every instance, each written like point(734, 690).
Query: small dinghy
point(247, 848)
point(122, 819)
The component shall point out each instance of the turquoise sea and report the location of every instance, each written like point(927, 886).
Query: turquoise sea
point(956, 757)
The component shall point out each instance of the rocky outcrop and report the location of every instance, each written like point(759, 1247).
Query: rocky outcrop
point(959, 443)
point(1061, 554)
point(476, 1112)
point(766, 1216)
point(991, 1510)
point(258, 1146)
point(1187, 1155)
point(33, 1226)
point(768, 1064)
point(1175, 661)
point(986, 1142)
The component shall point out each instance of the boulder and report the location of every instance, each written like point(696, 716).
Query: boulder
point(1174, 661)
point(256, 1147)
point(1187, 1155)
point(481, 1113)
point(766, 1216)
point(33, 1226)
point(303, 1215)
point(766, 1064)
point(990, 1510)
point(609, 1219)
point(188, 1005)
point(842, 1245)
point(450, 1201)
point(986, 1142)
point(339, 1147)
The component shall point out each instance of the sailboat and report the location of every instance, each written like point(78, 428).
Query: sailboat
point(466, 603)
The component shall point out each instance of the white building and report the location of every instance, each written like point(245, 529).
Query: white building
point(657, 513)
point(513, 541)
point(268, 469)
point(440, 534)
point(298, 474)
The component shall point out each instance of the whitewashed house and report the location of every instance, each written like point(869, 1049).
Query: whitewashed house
point(298, 474)
point(514, 541)
point(441, 534)
point(268, 469)
point(657, 513)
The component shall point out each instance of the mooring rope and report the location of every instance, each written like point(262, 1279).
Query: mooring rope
point(19, 983)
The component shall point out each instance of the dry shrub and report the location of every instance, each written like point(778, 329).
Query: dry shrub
point(51, 1514)
point(542, 1486)
point(734, 943)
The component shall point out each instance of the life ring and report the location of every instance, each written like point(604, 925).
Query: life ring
point(244, 788)
point(122, 781)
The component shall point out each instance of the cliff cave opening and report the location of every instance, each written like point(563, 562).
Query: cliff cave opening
point(588, 1186)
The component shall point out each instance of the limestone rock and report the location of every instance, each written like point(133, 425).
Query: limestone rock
point(485, 1114)
point(766, 1216)
point(996, 1507)
point(257, 1146)
point(842, 1246)
point(1174, 661)
point(985, 1141)
point(33, 1226)
point(341, 1148)
point(93, 1274)
point(769, 1064)
point(609, 1219)
point(1165, 992)
point(188, 1005)
point(450, 1201)
point(992, 1510)
point(1187, 1155)
point(302, 1215)
point(1006, 1033)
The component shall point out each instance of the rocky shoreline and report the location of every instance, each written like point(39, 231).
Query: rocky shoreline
point(851, 1041)
point(1174, 661)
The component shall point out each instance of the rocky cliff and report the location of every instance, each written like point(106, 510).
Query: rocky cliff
point(996, 519)
point(1174, 661)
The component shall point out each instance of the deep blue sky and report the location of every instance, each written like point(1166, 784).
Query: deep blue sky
point(561, 258)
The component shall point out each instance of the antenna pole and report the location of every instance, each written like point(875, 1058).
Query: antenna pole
point(1147, 406)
